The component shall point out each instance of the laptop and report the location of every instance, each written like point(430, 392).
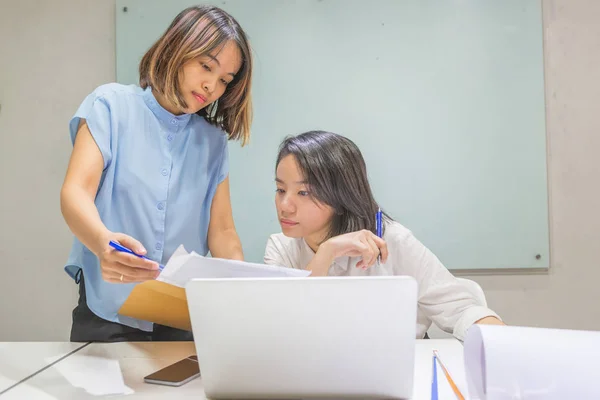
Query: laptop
point(317, 337)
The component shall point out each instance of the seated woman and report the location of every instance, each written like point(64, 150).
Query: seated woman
point(326, 210)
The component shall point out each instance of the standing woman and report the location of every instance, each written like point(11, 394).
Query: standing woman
point(149, 169)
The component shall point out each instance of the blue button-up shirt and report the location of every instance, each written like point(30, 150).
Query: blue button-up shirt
point(160, 175)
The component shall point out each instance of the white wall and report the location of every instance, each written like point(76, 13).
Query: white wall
point(54, 53)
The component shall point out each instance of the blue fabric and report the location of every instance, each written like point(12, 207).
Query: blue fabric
point(160, 176)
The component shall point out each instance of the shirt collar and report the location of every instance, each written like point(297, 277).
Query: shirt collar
point(171, 121)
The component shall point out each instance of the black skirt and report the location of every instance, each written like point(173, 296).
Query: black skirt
point(88, 327)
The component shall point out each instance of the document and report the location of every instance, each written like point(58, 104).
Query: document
point(163, 300)
point(184, 266)
point(511, 362)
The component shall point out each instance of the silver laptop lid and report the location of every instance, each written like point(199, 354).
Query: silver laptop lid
point(305, 337)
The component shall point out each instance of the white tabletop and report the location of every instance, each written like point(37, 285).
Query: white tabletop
point(18, 360)
point(137, 360)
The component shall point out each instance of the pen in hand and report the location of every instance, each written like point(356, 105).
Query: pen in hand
point(379, 230)
point(124, 249)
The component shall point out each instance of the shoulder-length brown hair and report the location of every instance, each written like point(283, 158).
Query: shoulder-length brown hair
point(195, 32)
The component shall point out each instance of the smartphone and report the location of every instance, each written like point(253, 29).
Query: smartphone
point(176, 374)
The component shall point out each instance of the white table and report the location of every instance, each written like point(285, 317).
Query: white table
point(18, 360)
point(137, 360)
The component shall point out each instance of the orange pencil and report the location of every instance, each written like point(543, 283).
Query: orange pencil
point(455, 389)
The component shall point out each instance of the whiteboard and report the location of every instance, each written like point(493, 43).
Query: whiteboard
point(444, 98)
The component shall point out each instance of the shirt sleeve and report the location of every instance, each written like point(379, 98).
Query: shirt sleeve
point(442, 298)
point(96, 111)
point(224, 167)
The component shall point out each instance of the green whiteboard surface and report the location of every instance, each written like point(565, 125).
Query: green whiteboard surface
point(444, 98)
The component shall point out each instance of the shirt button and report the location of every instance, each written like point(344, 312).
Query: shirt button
point(158, 246)
point(164, 172)
point(174, 121)
point(160, 206)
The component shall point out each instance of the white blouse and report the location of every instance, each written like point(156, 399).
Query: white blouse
point(441, 297)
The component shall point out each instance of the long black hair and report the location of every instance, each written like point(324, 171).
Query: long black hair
point(336, 174)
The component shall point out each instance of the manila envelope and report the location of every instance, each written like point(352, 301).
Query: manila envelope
point(158, 302)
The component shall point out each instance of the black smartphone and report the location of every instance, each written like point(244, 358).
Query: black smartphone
point(176, 374)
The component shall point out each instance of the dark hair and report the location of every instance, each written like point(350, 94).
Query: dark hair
point(195, 32)
point(336, 174)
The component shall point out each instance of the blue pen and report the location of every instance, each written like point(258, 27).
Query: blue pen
point(379, 229)
point(434, 384)
point(124, 249)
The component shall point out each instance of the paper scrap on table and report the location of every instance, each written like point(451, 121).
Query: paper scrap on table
point(98, 376)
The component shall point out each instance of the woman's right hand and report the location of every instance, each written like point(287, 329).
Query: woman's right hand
point(362, 244)
point(121, 267)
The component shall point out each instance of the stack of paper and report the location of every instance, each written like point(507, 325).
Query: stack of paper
point(163, 300)
point(183, 267)
point(508, 362)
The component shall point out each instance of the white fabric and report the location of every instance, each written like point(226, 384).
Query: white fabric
point(442, 299)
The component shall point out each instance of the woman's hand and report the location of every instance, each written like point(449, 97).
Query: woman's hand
point(121, 267)
point(362, 244)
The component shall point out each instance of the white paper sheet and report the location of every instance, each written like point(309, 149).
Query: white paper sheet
point(183, 267)
point(98, 376)
point(510, 362)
